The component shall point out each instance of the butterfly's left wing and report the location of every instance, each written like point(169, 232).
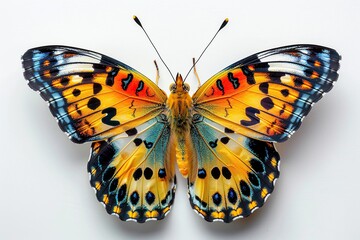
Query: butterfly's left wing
point(266, 96)
point(98, 99)
point(133, 173)
point(92, 96)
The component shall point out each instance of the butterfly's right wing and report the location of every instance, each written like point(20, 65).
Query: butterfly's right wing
point(239, 112)
point(233, 175)
point(267, 95)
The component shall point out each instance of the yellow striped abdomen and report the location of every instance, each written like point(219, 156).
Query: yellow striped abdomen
point(180, 105)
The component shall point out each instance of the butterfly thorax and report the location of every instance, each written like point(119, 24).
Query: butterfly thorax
point(180, 106)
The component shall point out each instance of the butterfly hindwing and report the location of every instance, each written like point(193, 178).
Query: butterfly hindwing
point(92, 96)
point(233, 174)
point(133, 173)
point(266, 95)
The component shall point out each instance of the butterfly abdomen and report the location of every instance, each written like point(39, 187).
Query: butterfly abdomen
point(180, 106)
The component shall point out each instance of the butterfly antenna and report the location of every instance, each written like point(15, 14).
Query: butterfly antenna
point(136, 19)
point(221, 27)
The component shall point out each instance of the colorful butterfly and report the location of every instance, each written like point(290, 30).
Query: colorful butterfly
point(222, 137)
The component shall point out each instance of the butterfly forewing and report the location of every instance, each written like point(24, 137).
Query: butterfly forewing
point(266, 95)
point(92, 96)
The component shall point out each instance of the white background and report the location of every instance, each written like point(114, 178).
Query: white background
point(44, 186)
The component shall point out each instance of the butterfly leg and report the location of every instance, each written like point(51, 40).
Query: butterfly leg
point(157, 73)
point(195, 72)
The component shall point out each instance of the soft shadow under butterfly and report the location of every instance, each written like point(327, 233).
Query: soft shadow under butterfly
point(222, 137)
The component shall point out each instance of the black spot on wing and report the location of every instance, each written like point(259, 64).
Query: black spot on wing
point(110, 77)
point(137, 174)
point(220, 86)
point(264, 87)
point(285, 92)
point(227, 130)
point(140, 87)
point(267, 103)
point(76, 92)
point(224, 140)
point(257, 166)
point(113, 185)
point(249, 75)
point(216, 199)
point(106, 155)
point(93, 103)
point(148, 172)
point(134, 198)
point(226, 172)
point(298, 82)
point(131, 132)
point(149, 197)
point(244, 188)
point(121, 193)
point(110, 113)
point(232, 196)
point(215, 172)
point(251, 114)
point(253, 179)
point(109, 172)
point(137, 141)
point(148, 145)
point(234, 81)
point(213, 144)
point(97, 88)
point(126, 81)
point(162, 173)
point(202, 173)
point(64, 81)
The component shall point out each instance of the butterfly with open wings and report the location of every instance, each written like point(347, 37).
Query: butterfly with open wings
point(222, 137)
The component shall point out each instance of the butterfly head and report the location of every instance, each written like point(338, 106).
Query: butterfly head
point(179, 85)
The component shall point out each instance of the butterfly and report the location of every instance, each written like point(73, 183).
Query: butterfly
point(222, 138)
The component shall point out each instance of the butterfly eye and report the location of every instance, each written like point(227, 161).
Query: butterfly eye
point(172, 87)
point(186, 87)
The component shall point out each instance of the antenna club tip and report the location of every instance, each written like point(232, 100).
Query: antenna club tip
point(136, 19)
point(224, 23)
